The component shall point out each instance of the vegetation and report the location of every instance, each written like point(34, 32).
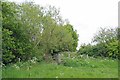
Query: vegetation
point(36, 41)
point(106, 44)
point(84, 68)
point(31, 31)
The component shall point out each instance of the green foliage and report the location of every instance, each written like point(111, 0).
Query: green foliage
point(86, 49)
point(108, 41)
point(15, 40)
point(74, 39)
point(8, 46)
point(105, 35)
point(106, 44)
point(113, 49)
point(34, 31)
point(71, 63)
point(87, 68)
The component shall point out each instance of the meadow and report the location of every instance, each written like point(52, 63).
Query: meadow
point(72, 68)
point(35, 36)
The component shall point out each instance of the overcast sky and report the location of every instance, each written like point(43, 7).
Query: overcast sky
point(86, 15)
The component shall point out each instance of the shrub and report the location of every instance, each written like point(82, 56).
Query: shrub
point(71, 62)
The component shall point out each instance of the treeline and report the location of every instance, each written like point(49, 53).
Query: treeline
point(29, 30)
point(104, 44)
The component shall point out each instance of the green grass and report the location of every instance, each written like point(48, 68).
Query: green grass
point(73, 68)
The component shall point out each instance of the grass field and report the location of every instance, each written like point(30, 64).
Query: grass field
point(73, 68)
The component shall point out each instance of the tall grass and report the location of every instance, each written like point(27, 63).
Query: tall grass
point(71, 68)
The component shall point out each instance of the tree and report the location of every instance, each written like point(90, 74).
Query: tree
point(105, 35)
point(107, 44)
point(8, 46)
point(113, 49)
point(20, 27)
point(109, 41)
point(74, 37)
point(8, 28)
point(32, 30)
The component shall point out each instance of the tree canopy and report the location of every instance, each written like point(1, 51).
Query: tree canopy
point(31, 30)
point(106, 44)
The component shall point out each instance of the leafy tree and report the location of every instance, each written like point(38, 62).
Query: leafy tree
point(109, 41)
point(106, 44)
point(113, 48)
point(74, 37)
point(56, 36)
point(31, 20)
point(87, 49)
point(105, 35)
point(30, 30)
point(8, 46)
point(13, 21)
point(8, 28)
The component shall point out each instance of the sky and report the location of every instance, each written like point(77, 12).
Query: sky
point(86, 16)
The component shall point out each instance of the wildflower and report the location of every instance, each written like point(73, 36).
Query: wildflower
point(34, 58)
point(61, 73)
point(17, 67)
point(81, 56)
point(32, 61)
point(29, 67)
point(105, 59)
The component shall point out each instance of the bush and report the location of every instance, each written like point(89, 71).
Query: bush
point(70, 62)
point(100, 50)
point(8, 46)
